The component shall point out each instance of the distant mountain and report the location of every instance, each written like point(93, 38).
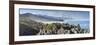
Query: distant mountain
point(36, 17)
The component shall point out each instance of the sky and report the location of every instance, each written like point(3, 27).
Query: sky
point(79, 17)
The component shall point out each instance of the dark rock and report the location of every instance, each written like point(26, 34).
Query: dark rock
point(25, 30)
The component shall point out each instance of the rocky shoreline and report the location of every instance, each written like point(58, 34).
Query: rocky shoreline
point(32, 24)
point(37, 28)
